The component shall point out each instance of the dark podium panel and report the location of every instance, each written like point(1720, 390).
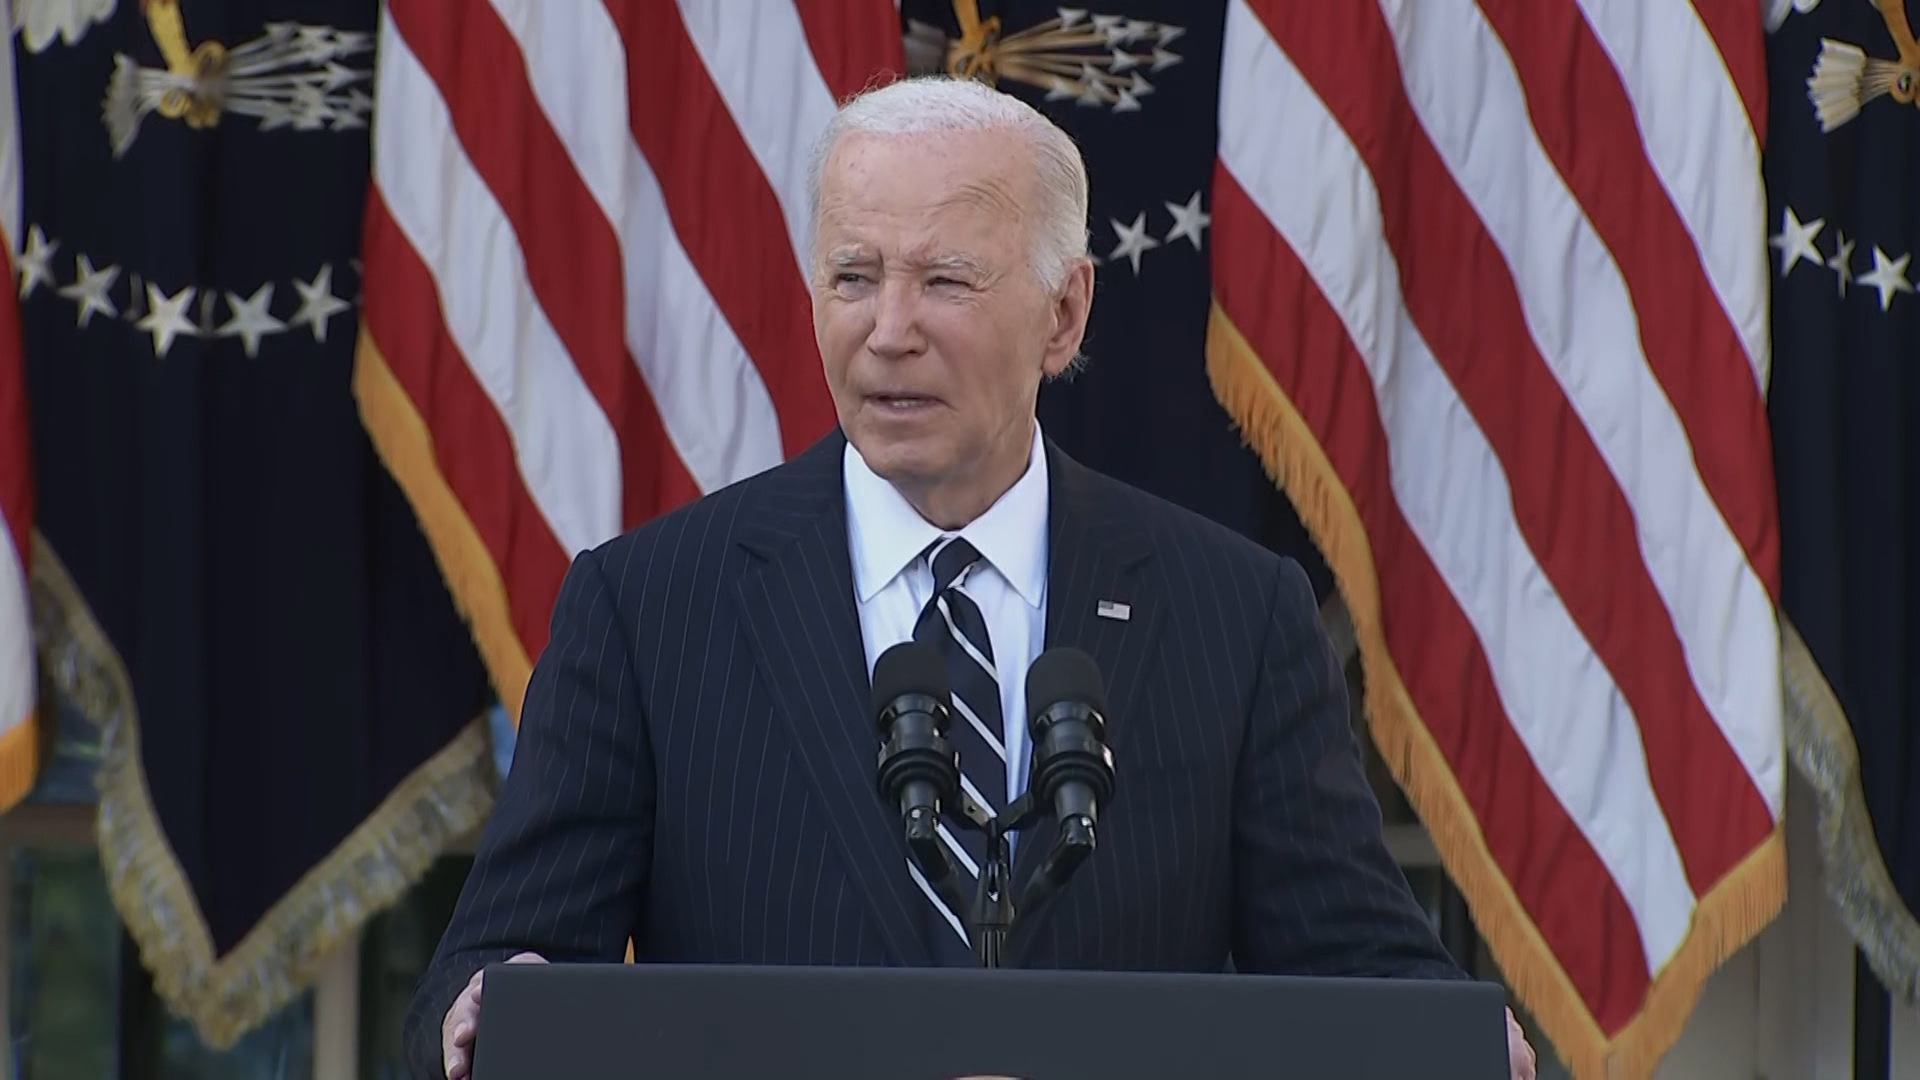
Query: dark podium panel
point(626, 1022)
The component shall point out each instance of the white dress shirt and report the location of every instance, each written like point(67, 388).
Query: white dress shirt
point(891, 583)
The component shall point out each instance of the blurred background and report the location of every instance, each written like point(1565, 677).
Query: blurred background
point(1570, 345)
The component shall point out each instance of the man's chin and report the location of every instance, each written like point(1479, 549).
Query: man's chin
point(897, 459)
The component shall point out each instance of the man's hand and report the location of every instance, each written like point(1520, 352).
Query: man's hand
point(1519, 1051)
point(463, 1019)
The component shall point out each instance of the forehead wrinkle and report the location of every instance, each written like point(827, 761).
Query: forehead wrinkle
point(995, 195)
point(984, 194)
point(851, 255)
point(949, 260)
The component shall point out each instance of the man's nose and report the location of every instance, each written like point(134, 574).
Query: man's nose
point(896, 326)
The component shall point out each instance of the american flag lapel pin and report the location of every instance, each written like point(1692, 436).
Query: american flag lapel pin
point(1113, 609)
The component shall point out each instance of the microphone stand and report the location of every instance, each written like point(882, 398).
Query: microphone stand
point(993, 912)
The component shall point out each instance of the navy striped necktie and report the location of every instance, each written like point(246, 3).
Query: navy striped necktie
point(952, 623)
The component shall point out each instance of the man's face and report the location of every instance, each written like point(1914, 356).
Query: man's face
point(934, 331)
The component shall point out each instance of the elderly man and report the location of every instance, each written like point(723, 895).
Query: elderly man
point(695, 768)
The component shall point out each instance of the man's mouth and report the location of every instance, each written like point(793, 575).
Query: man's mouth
point(903, 402)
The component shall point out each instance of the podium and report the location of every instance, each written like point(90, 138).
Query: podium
point(722, 1022)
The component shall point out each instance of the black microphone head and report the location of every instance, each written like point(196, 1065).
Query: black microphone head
point(1064, 674)
point(919, 769)
point(910, 668)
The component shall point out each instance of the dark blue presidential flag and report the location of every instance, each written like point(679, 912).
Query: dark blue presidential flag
point(240, 595)
point(1843, 173)
point(1136, 83)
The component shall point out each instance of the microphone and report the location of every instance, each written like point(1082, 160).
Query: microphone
point(919, 769)
point(1072, 767)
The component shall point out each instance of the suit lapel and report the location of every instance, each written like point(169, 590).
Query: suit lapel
point(797, 604)
point(1104, 598)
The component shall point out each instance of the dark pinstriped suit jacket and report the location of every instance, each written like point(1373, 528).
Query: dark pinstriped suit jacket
point(695, 764)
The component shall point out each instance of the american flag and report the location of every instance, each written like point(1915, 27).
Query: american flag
point(584, 302)
point(1491, 299)
point(1491, 302)
point(19, 737)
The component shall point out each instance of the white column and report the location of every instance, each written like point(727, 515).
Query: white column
point(336, 1015)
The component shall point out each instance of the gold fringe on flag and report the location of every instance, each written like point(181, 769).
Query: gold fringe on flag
point(21, 745)
point(224, 997)
point(1724, 920)
point(401, 439)
point(20, 750)
point(1821, 745)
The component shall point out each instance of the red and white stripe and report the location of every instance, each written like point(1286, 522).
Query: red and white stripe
point(1505, 259)
point(583, 259)
point(18, 684)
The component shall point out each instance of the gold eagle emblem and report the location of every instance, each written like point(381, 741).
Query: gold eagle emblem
point(1095, 60)
point(193, 94)
point(292, 76)
point(1845, 79)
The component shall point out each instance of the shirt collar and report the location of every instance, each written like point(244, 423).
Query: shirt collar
point(886, 534)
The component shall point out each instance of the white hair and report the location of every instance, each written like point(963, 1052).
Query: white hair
point(935, 103)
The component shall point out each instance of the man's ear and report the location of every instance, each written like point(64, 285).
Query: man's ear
point(1071, 307)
